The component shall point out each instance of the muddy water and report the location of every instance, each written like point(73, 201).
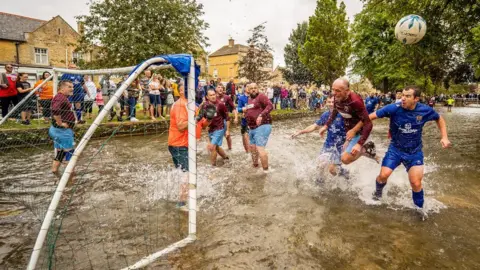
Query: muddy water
point(252, 220)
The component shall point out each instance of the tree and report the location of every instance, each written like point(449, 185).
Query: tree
point(256, 64)
point(390, 65)
point(327, 46)
point(127, 32)
point(295, 71)
point(473, 50)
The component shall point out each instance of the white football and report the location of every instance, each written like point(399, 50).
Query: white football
point(410, 29)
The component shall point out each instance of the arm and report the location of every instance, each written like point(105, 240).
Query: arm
point(235, 113)
point(308, 129)
point(442, 126)
point(367, 123)
point(182, 123)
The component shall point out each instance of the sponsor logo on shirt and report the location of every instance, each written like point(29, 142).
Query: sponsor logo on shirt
point(419, 119)
point(345, 115)
point(408, 129)
point(250, 106)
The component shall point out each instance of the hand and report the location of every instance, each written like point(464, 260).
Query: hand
point(294, 135)
point(322, 131)
point(3, 86)
point(259, 120)
point(235, 121)
point(244, 109)
point(356, 149)
point(65, 125)
point(445, 143)
point(210, 147)
point(350, 134)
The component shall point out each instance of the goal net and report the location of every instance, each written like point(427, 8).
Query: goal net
point(114, 204)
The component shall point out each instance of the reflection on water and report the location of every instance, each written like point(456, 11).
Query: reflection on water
point(253, 220)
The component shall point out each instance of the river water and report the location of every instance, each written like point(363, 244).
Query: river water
point(251, 220)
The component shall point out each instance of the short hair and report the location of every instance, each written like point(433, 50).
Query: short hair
point(21, 74)
point(417, 92)
point(221, 85)
point(210, 89)
point(62, 83)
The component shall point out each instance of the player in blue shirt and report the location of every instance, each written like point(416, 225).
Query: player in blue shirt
point(332, 148)
point(242, 101)
point(371, 103)
point(406, 124)
point(79, 91)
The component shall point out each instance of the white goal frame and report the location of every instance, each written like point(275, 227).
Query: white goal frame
point(192, 160)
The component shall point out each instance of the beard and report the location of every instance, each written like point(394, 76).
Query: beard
point(253, 95)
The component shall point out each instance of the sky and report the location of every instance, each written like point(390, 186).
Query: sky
point(227, 18)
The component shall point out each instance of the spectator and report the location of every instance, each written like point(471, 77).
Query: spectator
point(163, 96)
point(8, 89)
point(90, 98)
point(302, 98)
point(99, 100)
point(133, 91)
point(45, 96)
point(175, 84)
point(283, 98)
point(294, 96)
point(231, 89)
point(108, 90)
point(169, 100)
point(24, 88)
point(276, 95)
point(144, 84)
point(270, 93)
point(154, 95)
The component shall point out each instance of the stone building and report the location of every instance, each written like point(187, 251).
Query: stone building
point(35, 45)
point(223, 63)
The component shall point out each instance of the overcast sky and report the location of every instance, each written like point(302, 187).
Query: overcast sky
point(226, 17)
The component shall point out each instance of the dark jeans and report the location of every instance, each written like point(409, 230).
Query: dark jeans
point(5, 103)
point(46, 110)
point(132, 102)
point(179, 156)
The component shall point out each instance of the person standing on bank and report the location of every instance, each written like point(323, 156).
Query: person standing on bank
point(24, 88)
point(8, 89)
point(45, 96)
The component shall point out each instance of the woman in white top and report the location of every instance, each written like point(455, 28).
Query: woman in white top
point(154, 94)
point(90, 96)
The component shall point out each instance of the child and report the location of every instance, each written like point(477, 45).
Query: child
point(99, 100)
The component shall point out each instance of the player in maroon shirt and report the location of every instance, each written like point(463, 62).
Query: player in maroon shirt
point(227, 100)
point(259, 121)
point(357, 122)
point(216, 127)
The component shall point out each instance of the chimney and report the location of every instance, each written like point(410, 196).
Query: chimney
point(231, 42)
point(80, 28)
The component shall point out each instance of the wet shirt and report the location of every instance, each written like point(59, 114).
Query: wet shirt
point(77, 81)
point(336, 131)
point(242, 102)
point(227, 100)
point(260, 105)
point(178, 113)
point(62, 107)
point(370, 103)
point(353, 111)
point(221, 115)
point(406, 126)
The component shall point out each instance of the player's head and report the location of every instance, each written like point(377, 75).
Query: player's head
point(372, 95)
point(65, 87)
point(247, 89)
point(341, 89)
point(253, 90)
point(410, 97)
point(220, 89)
point(329, 102)
point(211, 95)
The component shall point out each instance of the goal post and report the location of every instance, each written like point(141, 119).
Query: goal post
point(185, 65)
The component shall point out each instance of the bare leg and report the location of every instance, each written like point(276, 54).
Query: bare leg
point(213, 157)
point(263, 157)
point(245, 142)
point(254, 153)
point(221, 152)
point(229, 142)
point(23, 115)
point(152, 114)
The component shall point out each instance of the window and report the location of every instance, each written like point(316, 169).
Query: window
point(76, 56)
point(59, 31)
point(215, 73)
point(41, 56)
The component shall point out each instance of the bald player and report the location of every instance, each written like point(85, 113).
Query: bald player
point(357, 122)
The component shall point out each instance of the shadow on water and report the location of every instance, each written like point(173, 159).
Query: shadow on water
point(252, 220)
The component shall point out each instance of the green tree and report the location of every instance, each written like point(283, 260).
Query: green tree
point(390, 65)
point(126, 32)
point(295, 71)
point(327, 46)
point(473, 50)
point(256, 65)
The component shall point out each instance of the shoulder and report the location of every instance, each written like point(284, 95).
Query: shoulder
point(325, 114)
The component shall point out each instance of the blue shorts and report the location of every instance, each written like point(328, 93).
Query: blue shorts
point(259, 136)
point(352, 143)
point(394, 157)
point(155, 100)
point(216, 137)
point(63, 138)
point(332, 154)
point(77, 98)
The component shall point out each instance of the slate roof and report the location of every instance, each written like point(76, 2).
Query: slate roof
point(227, 50)
point(13, 27)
